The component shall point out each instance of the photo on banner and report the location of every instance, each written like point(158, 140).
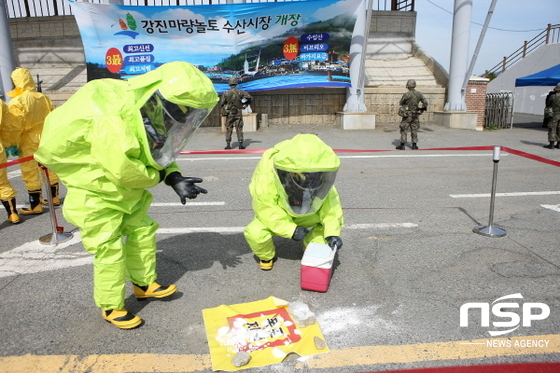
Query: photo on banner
point(281, 45)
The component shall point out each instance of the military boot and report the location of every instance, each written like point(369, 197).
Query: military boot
point(414, 146)
point(55, 198)
point(10, 206)
point(400, 147)
point(557, 146)
point(241, 145)
point(549, 146)
point(35, 207)
point(228, 145)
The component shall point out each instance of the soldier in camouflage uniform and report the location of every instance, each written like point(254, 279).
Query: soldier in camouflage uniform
point(233, 101)
point(412, 105)
point(554, 122)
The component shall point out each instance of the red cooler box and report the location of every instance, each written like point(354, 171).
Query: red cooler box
point(316, 267)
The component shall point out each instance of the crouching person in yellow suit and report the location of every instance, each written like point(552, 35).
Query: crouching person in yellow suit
point(108, 143)
point(294, 197)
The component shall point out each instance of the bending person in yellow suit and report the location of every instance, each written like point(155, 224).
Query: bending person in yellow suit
point(30, 108)
point(7, 192)
point(294, 197)
point(108, 143)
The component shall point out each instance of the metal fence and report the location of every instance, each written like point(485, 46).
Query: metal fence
point(45, 8)
point(499, 110)
point(550, 35)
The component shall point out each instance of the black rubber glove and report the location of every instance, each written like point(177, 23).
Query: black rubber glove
point(184, 186)
point(300, 233)
point(334, 241)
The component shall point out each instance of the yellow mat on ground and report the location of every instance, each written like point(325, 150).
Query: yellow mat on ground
point(264, 329)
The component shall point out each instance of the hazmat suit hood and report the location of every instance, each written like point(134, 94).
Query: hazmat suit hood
point(23, 81)
point(306, 169)
point(173, 100)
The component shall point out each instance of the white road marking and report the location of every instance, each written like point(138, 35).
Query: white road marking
point(381, 226)
point(552, 207)
point(164, 204)
point(415, 155)
point(34, 257)
point(513, 194)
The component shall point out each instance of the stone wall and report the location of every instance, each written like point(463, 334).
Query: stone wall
point(46, 41)
point(384, 102)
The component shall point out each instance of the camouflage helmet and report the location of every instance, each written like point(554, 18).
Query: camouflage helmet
point(557, 88)
point(411, 83)
point(233, 81)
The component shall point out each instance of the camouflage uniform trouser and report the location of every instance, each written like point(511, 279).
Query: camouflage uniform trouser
point(410, 123)
point(554, 128)
point(234, 120)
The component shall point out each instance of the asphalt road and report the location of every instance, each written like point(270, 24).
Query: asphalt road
point(410, 261)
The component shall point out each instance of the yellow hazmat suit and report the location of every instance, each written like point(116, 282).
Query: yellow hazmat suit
point(30, 109)
point(98, 145)
point(274, 216)
point(8, 130)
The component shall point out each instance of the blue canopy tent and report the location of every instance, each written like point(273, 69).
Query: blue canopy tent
point(548, 77)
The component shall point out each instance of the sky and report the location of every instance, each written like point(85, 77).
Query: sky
point(512, 23)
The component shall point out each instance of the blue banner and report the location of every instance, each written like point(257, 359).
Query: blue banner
point(266, 46)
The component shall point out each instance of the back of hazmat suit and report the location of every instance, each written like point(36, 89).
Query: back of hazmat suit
point(110, 141)
point(30, 108)
point(294, 196)
point(8, 130)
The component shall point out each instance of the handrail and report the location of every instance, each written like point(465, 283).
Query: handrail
point(46, 8)
point(550, 35)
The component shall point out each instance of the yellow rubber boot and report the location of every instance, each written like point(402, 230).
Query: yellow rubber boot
point(122, 318)
point(10, 206)
point(55, 198)
point(266, 265)
point(36, 207)
point(154, 290)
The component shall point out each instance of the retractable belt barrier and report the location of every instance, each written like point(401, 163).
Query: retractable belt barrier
point(58, 235)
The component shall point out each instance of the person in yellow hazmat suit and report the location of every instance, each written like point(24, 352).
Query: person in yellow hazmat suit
point(108, 143)
point(8, 131)
point(30, 109)
point(294, 197)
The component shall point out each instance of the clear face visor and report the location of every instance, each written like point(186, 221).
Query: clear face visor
point(304, 192)
point(169, 126)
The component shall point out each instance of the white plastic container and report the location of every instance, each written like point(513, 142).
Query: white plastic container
point(316, 267)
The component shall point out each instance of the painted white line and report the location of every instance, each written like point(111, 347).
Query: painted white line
point(240, 229)
point(381, 226)
point(552, 207)
point(202, 229)
point(164, 204)
point(34, 257)
point(415, 155)
point(514, 194)
point(12, 174)
point(218, 159)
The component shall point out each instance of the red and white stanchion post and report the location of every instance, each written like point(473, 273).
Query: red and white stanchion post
point(489, 230)
point(58, 235)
